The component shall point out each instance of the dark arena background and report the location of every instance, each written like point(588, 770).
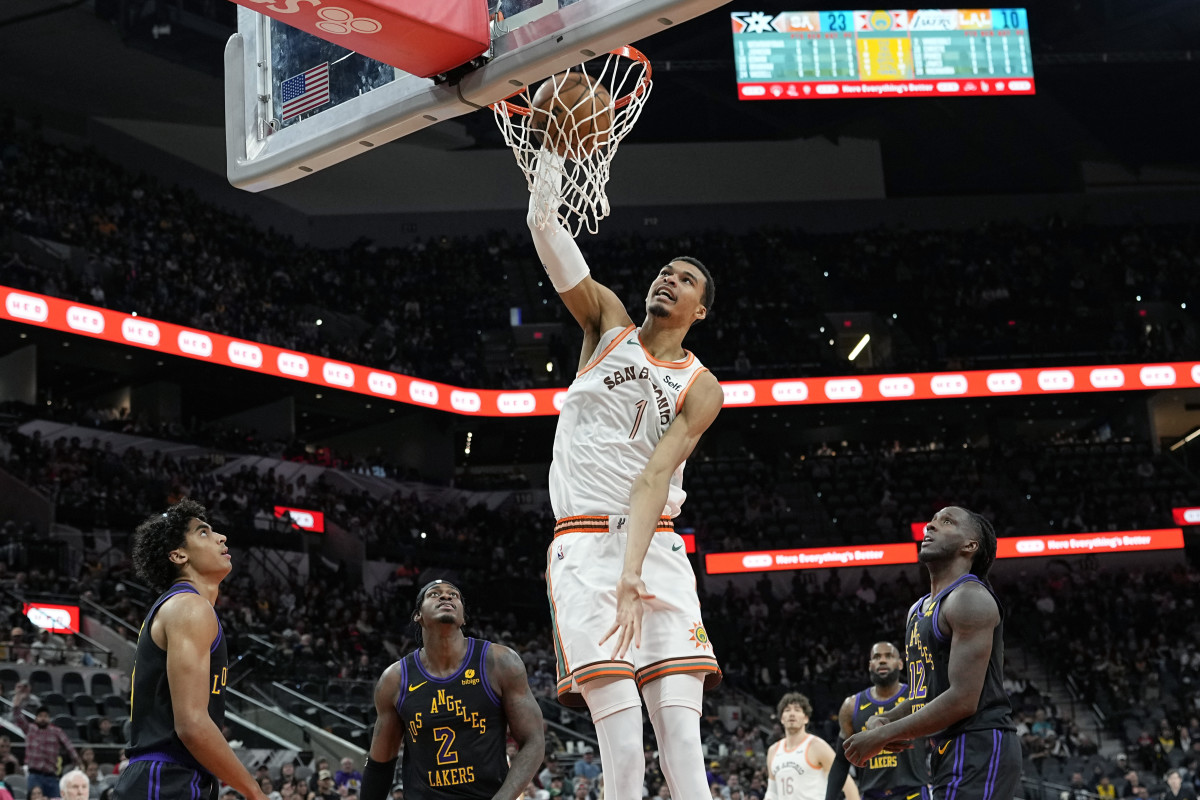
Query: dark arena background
point(922, 301)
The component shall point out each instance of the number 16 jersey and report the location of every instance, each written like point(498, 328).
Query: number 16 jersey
point(616, 410)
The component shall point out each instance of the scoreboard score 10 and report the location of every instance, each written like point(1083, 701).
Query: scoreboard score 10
point(808, 55)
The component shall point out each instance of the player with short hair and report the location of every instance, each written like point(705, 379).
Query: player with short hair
point(634, 413)
point(452, 703)
point(955, 643)
point(180, 668)
point(901, 775)
point(798, 765)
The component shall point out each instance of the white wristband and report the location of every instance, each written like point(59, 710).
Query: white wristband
point(560, 255)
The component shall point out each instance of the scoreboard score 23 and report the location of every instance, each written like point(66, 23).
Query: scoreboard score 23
point(807, 55)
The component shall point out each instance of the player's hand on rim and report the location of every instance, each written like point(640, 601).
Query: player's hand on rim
point(631, 591)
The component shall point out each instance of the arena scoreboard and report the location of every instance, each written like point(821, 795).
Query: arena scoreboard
point(809, 55)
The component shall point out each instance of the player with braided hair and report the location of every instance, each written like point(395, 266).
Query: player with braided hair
point(955, 648)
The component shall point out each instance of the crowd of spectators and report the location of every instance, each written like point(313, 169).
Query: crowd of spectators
point(428, 307)
point(1127, 641)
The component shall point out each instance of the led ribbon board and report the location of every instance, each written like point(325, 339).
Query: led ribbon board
point(1067, 544)
point(178, 340)
point(809, 55)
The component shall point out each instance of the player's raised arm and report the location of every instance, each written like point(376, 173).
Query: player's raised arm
point(524, 720)
point(593, 305)
point(380, 768)
point(190, 626)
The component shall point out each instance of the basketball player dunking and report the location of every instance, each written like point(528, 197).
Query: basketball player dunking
point(798, 765)
point(453, 703)
point(635, 411)
point(955, 648)
point(901, 775)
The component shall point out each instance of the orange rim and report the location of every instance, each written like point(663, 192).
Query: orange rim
point(631, 53)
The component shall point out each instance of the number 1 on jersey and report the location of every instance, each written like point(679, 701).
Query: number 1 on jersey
point(637, 421)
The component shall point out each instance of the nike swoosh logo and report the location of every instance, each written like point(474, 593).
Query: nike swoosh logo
point(412, 688)
point(942, 749)
point(862, 707)
point(676, 546)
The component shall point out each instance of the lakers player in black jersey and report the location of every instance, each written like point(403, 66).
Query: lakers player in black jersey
point(177, 705)
point(955, 647)
point(901, 775)
point(452, 704)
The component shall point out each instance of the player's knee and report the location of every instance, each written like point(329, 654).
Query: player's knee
point(607, 696)
point(684, 691)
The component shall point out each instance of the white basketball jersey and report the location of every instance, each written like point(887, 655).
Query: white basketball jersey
point(615, 411)
point(795, 777)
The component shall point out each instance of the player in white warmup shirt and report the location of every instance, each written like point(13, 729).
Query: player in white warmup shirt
point(622, 592)
point(798, 764)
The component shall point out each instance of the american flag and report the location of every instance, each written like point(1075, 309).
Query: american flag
point(305, 91)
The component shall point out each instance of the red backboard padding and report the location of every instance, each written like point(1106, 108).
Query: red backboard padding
point(423, 37)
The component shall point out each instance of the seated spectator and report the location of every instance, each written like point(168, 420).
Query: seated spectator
point(348, 776)
point(8, 760)
point(46, 649)
point(74, 785)
point(17, 647)
point(325, 786)
point(1131, 785)
point(96, 782)
point(1177, 789)
point(105, 733)
point(586, 766)
point(287, 773)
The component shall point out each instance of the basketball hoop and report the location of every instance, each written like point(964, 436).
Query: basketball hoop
point(566, 164)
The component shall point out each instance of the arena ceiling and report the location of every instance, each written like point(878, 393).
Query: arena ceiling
point(1117, 82)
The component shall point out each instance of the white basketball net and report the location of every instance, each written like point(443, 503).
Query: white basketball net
point(572, 188)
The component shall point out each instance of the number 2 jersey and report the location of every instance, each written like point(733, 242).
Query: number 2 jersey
point(887, 773)
point(152, 734)
point(454, 729)
point(616, 410)
point(928, 656)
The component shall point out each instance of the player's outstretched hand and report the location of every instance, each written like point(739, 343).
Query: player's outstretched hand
point(631, 591)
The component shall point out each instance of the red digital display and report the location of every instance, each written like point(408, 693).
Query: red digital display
point(810, 558)
point(52, 617)
point(1074, 544)
point(177, 340)
point(689, 542)
point(1068, 544)
point(303, 518)
point(1186, 516)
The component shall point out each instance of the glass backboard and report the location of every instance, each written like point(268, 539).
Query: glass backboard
point(296, 104)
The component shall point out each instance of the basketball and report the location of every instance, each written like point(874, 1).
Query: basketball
point(573, 113)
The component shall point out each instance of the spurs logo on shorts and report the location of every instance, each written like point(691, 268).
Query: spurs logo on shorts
point(700, 636)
